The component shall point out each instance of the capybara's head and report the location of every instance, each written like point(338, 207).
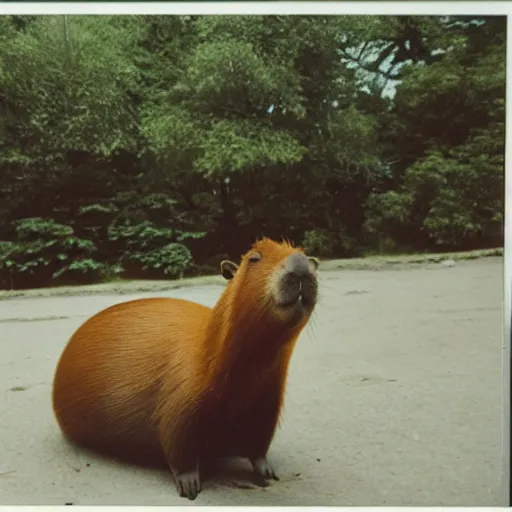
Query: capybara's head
point(275, 279)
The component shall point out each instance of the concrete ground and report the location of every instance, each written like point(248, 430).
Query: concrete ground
point(394, 398)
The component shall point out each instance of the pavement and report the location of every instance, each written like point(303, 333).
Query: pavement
point(394, 398)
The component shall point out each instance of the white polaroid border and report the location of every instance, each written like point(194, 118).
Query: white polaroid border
point(497, 8)
point(507, 302)
point(234, 7)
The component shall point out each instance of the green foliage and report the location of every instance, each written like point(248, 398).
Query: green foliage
point(387, 215)
point(456, 198)
point(173, 136)
point(44, 250)
point(319, 242)
point(96, 208)
point(446, 136)
point(37, 228)
point(142, 146)
point(147, 246)
point(67, 93)
point(329, 244)
point(172, 259)
point(143, 235)
point(81, 270)
point(235, 146)
point(467, 201)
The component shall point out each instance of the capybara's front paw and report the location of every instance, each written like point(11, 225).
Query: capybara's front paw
point(263, 470)
point(188, 483)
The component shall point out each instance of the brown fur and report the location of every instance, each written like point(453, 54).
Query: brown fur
point(167, 380)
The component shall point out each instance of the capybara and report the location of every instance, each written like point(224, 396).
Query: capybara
point(172, 381)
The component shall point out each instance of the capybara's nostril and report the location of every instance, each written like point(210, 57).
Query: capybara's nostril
point(297, 264)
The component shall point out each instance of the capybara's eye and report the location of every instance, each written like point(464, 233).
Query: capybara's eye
point(255, 257)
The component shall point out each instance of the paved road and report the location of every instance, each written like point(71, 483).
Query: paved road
point(394, 398)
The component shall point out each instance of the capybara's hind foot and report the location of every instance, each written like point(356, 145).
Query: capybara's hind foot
point(188, 483)
point(263, 471)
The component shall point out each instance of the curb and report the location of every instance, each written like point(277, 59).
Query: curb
point(131, 287)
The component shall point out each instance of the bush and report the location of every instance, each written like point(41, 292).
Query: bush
point(44, 251)
point(324, 243)
point(86, 270)
point(319, 242)
point(151, 250)
point(171, 260)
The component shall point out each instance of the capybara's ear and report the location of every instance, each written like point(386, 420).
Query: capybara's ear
point(228, 269)
point(314, 262)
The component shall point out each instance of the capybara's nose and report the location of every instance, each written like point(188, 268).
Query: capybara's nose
point(297, 264)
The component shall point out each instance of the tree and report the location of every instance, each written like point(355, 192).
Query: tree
point(161, 144)
point(446, 141)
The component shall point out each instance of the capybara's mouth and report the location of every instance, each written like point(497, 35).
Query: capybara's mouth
point(299, 303)
point(297, 293)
